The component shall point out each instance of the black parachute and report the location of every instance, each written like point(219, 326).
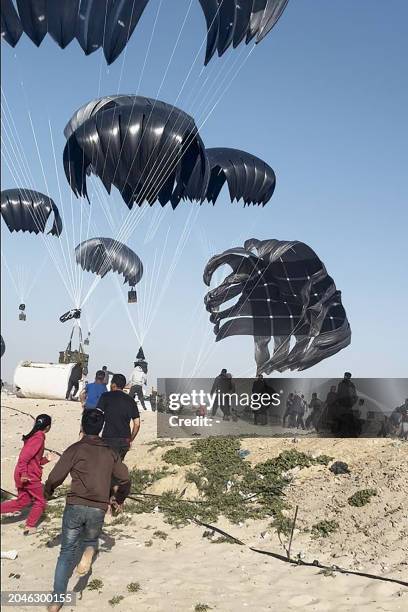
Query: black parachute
point(110, 23)
point(26, 210)
point(229, 22)
point(103, 255)
point(283, 292)
point(248, 177)
point(94, 23)
point(146, 148)
point(3, 346)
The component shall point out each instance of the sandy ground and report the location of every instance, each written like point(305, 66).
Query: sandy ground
point(186, 569)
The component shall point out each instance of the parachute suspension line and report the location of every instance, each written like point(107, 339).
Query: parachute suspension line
point(69, 268)
point(149, 47)
point(173, 264)
point(103, 39)
point(103, 314)
point(20, 167)
point(16, 175)
point(126, 307)
point(46, 184)
point(20, 159)
point(12, 278)
point(157, 217)
point(36, 277)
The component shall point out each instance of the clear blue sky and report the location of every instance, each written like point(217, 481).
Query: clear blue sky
point(323, 99)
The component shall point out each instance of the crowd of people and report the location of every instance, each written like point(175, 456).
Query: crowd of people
point(338, 413)
point(99, 479)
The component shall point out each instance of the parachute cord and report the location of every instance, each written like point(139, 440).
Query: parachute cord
point(65, 233)
point(13, 280)
point(15, 179)
point(148, 47)
point(21, 160)
point(24, 170)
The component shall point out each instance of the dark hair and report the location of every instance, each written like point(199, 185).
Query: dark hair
point(92, 421)
point(41, 423)
point(223, 371)
point(100, 375)
point(347, 374)
point(119, 380)
point(104, 367)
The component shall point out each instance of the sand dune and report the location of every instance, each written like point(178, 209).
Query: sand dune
point(184, 569)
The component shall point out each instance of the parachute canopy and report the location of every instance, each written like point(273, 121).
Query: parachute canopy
point(248, 177)
point(229, 22)
point(103, 255)
point(2, 346)
point(110, 23)
point(284, 292)
point(146, 148)
point(94, 23)
point(26, 210)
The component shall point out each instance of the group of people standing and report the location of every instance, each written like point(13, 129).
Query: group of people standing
point(137, 384)
point(99, 479)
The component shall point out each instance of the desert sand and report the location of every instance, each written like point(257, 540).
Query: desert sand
point(186, 569)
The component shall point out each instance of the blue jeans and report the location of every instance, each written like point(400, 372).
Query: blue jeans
point(80, 525)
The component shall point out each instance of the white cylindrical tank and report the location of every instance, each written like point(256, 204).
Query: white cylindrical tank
point(42, 380)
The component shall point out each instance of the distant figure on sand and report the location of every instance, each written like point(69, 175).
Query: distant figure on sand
point(92, 464)
point(120, 412)
point(315, 406)
point(222, 386)
point(138, 383)
point(289, 411)
point(107, 374)
point(73, 382)
point(93, 391)
point(28, 474)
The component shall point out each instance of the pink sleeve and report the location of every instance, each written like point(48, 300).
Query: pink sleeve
point(29, 450)
point(44, 461)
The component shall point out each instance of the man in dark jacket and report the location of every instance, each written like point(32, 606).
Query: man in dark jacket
point(222, 387)
point(73, 382)
point(92, 465)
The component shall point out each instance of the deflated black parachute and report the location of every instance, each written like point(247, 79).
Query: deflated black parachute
point(103, 255)
point(94, 23)
point(110, 23)
point(283, 292)
point(248, 177)
point(229, 22)
point(146, 148)
point(2, 346)
point(26, 210)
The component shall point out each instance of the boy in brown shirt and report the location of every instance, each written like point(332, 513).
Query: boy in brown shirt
point(92, 465)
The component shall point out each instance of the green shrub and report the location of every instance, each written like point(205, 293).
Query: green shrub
point(322, 529)
point(362, 498)
point(180, 456)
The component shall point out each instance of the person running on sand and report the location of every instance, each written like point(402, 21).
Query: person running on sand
point(73, 382)
point(92, 465)
point(93, 391)
point(138, 384)
point(120, 411)
point(28, 474)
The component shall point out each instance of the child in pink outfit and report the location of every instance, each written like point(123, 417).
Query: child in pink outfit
point(28, 474)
